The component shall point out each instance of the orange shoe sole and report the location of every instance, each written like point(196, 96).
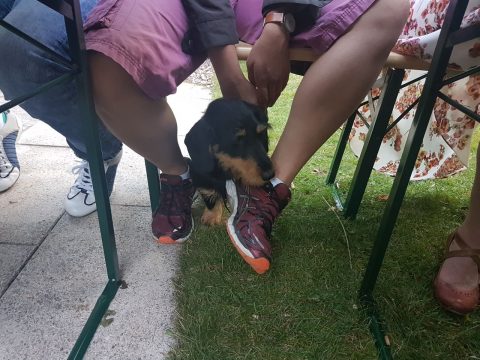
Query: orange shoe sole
point(260, 265)
point(165, 240)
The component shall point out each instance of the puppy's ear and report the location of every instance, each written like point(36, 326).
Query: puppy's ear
point(199, 141)
point(260, 114)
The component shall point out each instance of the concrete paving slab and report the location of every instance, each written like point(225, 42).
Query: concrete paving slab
point(34, 204)
point(45, 308)
point(12, 258)
point(130, 186)
point(188, 105)
point(40, 133)
point(144, 311)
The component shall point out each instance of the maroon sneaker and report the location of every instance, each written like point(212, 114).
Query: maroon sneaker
point(172, 221)
point(254, 209)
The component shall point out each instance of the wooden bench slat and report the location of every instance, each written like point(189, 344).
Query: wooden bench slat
point(394, 60)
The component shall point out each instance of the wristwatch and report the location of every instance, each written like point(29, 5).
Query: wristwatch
point(286, 19)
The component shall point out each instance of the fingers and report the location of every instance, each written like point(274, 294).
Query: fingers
point(262, 96)
point(268, 86)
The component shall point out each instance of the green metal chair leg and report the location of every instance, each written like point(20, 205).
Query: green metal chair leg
point(79, 56)
point(340, 150)
point(412, 147)
point(372, 144)
point(420, 122)
point(337, 159)
point(70, 10)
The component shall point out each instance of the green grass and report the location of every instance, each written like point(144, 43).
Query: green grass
point(305, 307)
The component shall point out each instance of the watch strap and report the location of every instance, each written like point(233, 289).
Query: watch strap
point(273, 16)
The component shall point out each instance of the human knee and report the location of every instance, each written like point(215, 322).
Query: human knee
point(114, 90)
point(392, 16)
point(106, 87)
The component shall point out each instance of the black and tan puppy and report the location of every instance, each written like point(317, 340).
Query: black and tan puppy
point(229, 142)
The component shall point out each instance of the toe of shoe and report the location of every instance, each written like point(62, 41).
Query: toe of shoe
point(454, 300)
point(77, 208)
point(7, 182)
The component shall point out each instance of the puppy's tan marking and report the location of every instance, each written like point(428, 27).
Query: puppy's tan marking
point(245, 170)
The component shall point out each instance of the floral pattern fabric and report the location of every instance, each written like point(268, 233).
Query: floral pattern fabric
point(446, 144)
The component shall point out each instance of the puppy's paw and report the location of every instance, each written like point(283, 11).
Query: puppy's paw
point(214, 216)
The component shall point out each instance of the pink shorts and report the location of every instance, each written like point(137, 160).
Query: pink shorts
point(144, 36)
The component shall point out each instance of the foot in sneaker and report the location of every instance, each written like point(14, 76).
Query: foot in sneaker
point(10, 129)
point(254, 209)
point(80, 200)
point(172, 222)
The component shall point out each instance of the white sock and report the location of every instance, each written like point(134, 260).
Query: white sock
point(275, 181)
point(186, 174)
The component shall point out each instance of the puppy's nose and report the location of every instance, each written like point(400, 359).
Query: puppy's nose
point(267, 174)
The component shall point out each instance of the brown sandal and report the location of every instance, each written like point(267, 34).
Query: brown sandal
point(458, 301)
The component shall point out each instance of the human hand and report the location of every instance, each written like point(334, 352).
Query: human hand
point(240, 88)
point(268, 64)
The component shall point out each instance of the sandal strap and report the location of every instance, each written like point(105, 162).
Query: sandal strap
point(465, 250)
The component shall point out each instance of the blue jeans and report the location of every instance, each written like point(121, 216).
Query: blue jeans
point(24, 67)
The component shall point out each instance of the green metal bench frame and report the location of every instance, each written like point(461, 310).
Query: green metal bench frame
point(78, 70)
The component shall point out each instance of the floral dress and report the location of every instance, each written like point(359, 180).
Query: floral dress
point(446, 144)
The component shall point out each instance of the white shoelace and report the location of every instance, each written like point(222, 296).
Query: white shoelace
point(84, 180)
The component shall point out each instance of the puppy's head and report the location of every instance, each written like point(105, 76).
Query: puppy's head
point(234, 134)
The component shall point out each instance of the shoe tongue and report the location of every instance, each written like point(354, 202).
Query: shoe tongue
point(283, 194)
point(171, 179)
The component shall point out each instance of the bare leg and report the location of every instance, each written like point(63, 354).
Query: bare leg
point(147, 126)
point(462, 272)
point(335, 84)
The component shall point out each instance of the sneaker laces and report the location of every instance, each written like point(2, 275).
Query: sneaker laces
point(84, 180)
point(5, 164)
point(173, 199)
point(263, 210)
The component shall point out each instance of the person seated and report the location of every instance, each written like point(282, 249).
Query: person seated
point(22, 68)
point(140, 53)
point(446, 145)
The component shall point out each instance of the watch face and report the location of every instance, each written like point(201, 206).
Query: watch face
point(289, 22)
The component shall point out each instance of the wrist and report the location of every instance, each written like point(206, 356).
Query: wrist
point(286, 20)
point(276, 32)
point(225, 63)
